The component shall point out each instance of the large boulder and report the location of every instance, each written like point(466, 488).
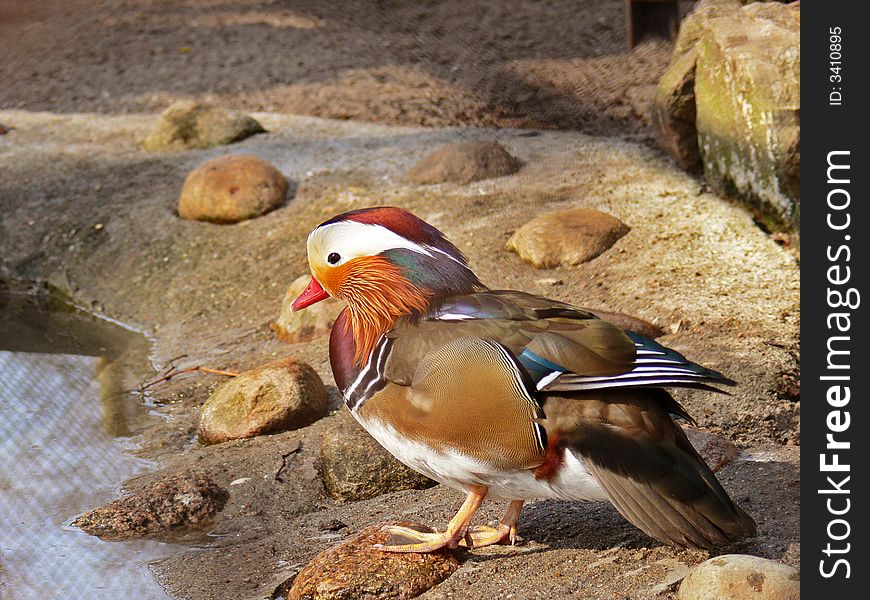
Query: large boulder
point(231, 188)
point(464, 162)
point(354, 570)
point(673, 113)
point(743, 66)
point(741, 577)
point(278, 396)
point(355, 467)
point(304, 325)
point(188, 125)
point(566, 238)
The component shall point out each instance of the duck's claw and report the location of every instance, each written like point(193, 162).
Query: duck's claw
point(484, 535)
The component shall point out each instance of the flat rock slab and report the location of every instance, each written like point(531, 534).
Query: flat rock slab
point(232, 188)
point(741, 577)
point(189, 125)
point(464, 162)
point(355, 467)
point(169, 505)
point(566, 238)
point(278, 396)
point(354, 569)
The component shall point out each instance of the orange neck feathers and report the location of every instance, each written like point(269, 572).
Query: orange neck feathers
point(377, 296)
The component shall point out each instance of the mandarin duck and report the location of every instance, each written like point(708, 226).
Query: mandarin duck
point(503, 394)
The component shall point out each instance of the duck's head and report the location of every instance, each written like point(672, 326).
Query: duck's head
point(385, 263)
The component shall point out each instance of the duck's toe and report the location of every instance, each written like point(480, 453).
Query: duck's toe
point(409, 539)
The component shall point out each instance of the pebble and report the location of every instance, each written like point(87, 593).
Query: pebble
point(566, 238)
point(278, 396)
point(740, 577)
point(464, 162)
point(190, 125)
point(231, 188)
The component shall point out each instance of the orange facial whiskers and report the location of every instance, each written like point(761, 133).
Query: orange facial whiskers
point(377, 295)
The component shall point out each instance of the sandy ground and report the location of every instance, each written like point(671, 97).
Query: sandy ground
point(694, 264)
point(555, 63)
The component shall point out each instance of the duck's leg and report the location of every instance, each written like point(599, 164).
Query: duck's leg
point(505, 533)
point(406, 539)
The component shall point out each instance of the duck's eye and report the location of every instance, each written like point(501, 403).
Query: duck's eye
point(333, 258)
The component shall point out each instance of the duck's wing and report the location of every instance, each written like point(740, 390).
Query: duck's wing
point(561, 347)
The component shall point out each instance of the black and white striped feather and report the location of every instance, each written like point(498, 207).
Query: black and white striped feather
point(654, 366)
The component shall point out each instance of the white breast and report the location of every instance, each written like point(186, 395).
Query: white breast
point(459, 471)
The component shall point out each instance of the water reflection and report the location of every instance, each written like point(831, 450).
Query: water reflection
point(67, 426)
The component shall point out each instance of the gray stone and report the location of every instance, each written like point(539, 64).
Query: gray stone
point(355, 467)
point(566, 237)
point(464, 162)
point(231, 188)
point(278, 396)
point(740, 577)
point(304, 325)
point(190, 125)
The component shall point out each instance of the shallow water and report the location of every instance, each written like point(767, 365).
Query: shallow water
point(68, 425)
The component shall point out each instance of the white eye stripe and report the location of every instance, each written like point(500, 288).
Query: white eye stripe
point(350, 240)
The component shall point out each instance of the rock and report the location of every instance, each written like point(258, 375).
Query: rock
point(673, 113)
point(355, 467)
point(695, 24)
point(747, 94)
point(278, 396)
point(713, 448)
point(464, 162)
point(180, 501)
point(354, 570)
point(304, 325)
point(566, 237)
point(735, 71)
point(740, 577)
point(190, 125)
point(232, 188)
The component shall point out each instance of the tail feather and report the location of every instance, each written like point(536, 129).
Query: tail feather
point(646, 465)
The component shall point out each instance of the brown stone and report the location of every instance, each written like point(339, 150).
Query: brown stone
point(464, 162)
point(177, 502)
point(355, 467)
point(231, 188)
point(301, 326)
point(566, 238)
point(353, 569)
point(740, 577)
point(278, 396)
point(713, 448)
point(190, 125)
